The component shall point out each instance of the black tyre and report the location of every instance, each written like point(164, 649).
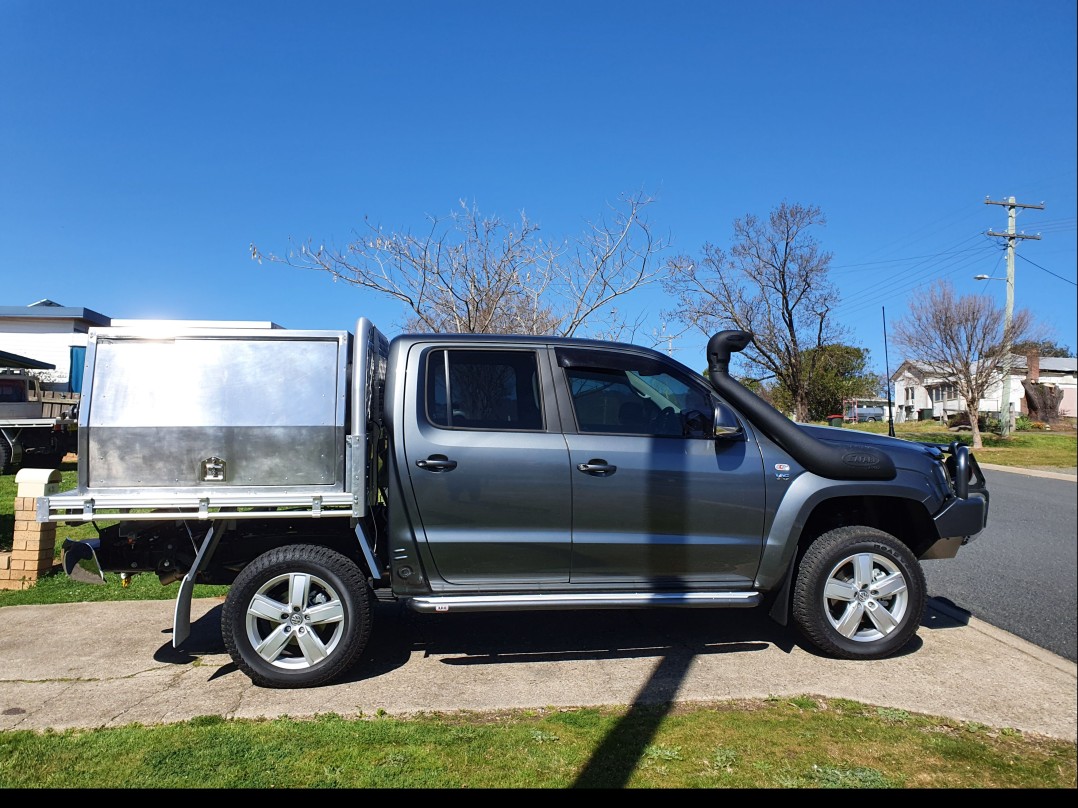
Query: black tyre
point(859, 594)
point(297, 616)
point(5, 456)
point(43, 460)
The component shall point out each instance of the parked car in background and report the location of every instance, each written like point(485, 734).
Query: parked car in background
point(856, 411)
point(864, 414)
point(37, 427)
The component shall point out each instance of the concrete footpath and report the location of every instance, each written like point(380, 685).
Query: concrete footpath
point(111, 664)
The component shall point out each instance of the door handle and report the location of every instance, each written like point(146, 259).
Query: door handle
point(437, 463)
point(597, 468)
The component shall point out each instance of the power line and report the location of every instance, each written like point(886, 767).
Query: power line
point(953, 260)
point(1038, 266)
point(1056, 226)
point(946, 221)
point(896, 260)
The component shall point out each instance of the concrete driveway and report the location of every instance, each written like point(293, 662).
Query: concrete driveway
point(110, 664)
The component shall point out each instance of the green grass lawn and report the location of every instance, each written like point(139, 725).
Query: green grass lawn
point(1032, 449)
point(777, 743)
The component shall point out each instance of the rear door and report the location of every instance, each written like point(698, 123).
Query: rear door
point(488, 466)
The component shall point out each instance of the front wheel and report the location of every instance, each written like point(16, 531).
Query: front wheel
point(859, 593)
point(297, 616)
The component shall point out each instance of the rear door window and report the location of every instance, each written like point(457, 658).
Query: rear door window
point(483, 389)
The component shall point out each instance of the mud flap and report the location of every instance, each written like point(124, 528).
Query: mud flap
point(780, 605)
point(368, 553)
point(181, 618)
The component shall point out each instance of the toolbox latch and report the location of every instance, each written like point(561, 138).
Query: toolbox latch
point(213, 470)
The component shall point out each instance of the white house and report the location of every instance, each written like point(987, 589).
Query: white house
point(52, 334)
point(56, 335)
point(920, 395)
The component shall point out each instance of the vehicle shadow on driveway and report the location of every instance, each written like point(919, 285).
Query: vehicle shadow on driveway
point(540, 636)
point(942, 613)
point(499, 638)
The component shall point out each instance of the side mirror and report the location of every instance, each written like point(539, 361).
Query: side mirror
point(727, 426)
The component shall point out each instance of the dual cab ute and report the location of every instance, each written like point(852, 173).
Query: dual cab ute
point(317, 471)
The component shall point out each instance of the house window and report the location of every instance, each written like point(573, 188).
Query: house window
point(944, 392)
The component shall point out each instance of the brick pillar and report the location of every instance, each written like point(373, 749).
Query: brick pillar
point(33, 549)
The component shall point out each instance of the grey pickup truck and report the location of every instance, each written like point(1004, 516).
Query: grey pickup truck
point(316, 472)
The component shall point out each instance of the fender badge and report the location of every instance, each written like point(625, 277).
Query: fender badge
point(782, 467)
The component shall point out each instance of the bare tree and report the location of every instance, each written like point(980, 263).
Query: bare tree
point(773, 283)
point(470, 273)
point(957, 339)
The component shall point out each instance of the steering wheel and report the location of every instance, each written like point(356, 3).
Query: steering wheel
point(667, 422)
point(695, 423)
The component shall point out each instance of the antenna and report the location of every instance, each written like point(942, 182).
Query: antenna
point(887, 370)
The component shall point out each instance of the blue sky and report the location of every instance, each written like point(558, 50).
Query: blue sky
point(145, 145)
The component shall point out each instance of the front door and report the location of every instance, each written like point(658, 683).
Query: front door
point(656, 499)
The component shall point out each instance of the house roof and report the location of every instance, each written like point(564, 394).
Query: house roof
point(47, 310)
point(1058, 364)
point(50, 310)
point(909, 366)
point(10, 360)
point(1052, 364)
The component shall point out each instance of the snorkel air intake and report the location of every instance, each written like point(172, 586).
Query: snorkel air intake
point(847, 462)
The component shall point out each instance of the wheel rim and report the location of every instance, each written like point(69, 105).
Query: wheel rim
point(865, 597)
point(295, 620)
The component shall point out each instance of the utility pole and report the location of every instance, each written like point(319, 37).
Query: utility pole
point(1006, 417)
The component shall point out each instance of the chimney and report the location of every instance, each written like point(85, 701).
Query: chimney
point(1033, 366)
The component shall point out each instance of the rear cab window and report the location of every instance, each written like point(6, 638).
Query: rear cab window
point(483, 389)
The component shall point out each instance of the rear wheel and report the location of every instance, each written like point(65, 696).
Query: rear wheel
point(43, 460)
point(297, 616)
point(859, 593)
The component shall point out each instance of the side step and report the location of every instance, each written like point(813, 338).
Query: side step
point(620, 600)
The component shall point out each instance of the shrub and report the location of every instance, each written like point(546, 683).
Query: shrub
point(984, 423)
point(962, 419)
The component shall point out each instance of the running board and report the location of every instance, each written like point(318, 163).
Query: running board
point(636, 600)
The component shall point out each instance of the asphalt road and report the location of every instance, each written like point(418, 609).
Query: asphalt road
point(1021, 573)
